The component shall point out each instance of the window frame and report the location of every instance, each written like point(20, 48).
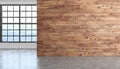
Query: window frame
point(19, 24)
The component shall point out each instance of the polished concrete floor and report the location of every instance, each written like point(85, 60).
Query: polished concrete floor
point(27, 59)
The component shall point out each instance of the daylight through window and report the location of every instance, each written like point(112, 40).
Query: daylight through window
point(19, 23)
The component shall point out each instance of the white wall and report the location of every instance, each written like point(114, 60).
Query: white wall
point(18, 1)
point(18, 45)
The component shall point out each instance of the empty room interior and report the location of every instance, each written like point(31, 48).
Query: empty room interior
point(59, 34)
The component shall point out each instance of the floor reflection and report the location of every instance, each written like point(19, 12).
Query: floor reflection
point(27, 59)
point(18, 59)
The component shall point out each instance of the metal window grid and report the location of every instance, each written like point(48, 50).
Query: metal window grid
point(20, 23)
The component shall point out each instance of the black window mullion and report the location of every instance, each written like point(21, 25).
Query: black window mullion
point(1, 23)
point(13, 24)
point(25, 23)
point(31, 23)
point(19, 22)
point(7, 23)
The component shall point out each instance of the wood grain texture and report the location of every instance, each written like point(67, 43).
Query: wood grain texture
point(78, 28)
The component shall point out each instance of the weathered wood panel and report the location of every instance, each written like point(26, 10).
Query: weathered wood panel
point(78, 28)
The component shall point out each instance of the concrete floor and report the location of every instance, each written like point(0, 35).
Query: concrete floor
point(27, 59)
point(79, 63)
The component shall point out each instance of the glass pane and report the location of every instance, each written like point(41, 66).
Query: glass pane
point(4, 20)
point(4, 32)
point(28, 20)
point(4, 14)
point(34, 8)
point(34, 14)
point(10, 38)
point(22, 20)
point(34, 39)
point(22, 32)
point(22, 14)
point(10, 14)
point(16, 38)
point(34, 32)
point(28, 8)
point(16, 32)
point(22, 8)
point(16, 20)
point(4, 38)
point(22, 26)
point(28, 32)
point(28, 26)
point(10, 26)
point(10, 8)
point(28, 38)
point(10, 20)
point(28, 14)
point(16, 14)
point(16, 26)
point(34, 26)
point(16, 8)
point(4, 8)
point(22, 38)
point(34, 20)
point(10, 32)
point(4, 26)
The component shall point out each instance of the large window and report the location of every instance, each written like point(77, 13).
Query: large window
point(19, 23)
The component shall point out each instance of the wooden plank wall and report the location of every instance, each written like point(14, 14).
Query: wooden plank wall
point(78, 28)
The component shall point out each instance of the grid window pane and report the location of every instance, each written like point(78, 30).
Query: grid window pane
point(10, 38)
point(28, 20)
point(16, 32)
point(16, 39)
point(4, 38)
point(16, 14)
point(23, 20)
point(4, 14)
point(4, 26)
point(10, 20)
point(4, 20)
point(34, 39)
point(16, 20)
point(28, 32)
point(28, 8)
point(22, 14)
point(28, 26)
point(10, 32)
point(34, 14)
point(34, 20)
point(10, 14)
point(10, 26)
point(16, 26)
point(4, 8)
point(34, 8)
point(22, 38)
point(10, 8)
point(22, 8)
point(22, 32)
point(16, 8)
point(22, 26)
point(28, 38)
point(28, 14)
point(34, 26)
point(4, 32)
point(34, 32)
